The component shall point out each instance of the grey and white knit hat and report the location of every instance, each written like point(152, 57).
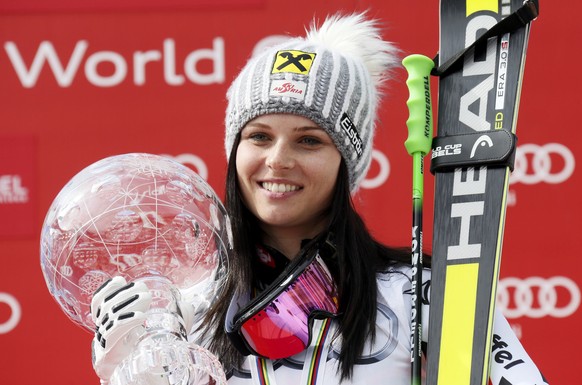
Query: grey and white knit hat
point(332, 76)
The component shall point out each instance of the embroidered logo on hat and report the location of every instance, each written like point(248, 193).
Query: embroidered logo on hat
point(291, 89)
point(297, 62)
point(352, 133)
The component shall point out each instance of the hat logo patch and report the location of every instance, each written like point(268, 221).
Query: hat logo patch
point(291, 89)
point(297, 62)
point(350, 130)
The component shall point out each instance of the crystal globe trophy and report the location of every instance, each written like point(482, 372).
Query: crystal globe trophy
point(146, 218)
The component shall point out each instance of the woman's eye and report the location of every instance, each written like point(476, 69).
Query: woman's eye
point(310, 140)
point(258, 137)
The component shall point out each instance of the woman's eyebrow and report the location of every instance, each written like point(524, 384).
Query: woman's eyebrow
point(309, 128)
point(257, 124)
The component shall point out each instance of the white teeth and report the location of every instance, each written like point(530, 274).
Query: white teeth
point(279, 187)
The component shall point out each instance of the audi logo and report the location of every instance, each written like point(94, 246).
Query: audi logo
point(537, 297)
point(383, 173)
point(543, 164)
point(192, 161)
point(15, 313)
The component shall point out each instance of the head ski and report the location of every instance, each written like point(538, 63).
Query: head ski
point(479, 90)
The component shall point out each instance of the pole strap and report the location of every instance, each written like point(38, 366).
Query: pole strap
point(524, 15)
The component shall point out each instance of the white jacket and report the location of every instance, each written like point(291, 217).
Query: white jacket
point(387, 359)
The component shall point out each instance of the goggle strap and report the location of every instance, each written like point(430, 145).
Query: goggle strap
point(316, 357)
point(262, 370)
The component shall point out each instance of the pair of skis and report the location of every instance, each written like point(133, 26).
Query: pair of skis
point(480, 67)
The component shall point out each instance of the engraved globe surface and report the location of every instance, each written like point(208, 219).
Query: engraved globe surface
point(134, 215)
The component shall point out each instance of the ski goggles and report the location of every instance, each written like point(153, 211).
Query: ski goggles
point(277, 323)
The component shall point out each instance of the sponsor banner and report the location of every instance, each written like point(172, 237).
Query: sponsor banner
point(115, 5)
point(18, 185)
point(78, 87)
point(537, 297)
point(87, 60)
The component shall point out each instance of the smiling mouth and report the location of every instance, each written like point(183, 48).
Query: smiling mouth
point(279, 187)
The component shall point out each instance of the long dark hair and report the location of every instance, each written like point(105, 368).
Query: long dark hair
point(359, 258)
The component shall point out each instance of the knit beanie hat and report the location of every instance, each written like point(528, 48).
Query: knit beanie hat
point(332, 76)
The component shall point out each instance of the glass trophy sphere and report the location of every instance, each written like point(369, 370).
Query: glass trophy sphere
point(134, 215)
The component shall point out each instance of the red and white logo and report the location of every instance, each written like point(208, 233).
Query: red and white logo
point(17, 185)
point(383, 171)
point(292, 89)
point(7, 325)
point(66, 69)
point(551, 163)
point(192, 161)
point(538, 297)
point(12, 191)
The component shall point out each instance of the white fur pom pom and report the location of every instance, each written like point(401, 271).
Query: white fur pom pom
point(356, 36)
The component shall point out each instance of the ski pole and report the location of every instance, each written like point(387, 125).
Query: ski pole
point(418, 144)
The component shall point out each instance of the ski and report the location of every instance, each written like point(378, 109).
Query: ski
point(481, 61)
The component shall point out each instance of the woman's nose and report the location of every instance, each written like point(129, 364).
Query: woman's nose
point(280, 156)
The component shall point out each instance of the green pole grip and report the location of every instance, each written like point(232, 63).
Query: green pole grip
point(419, 122)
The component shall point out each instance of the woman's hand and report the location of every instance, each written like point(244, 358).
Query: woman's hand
point(118, 311)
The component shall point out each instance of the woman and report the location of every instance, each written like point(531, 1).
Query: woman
point(299, 133)
point(293, 165)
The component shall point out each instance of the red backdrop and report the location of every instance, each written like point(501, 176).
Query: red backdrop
point(75, 88)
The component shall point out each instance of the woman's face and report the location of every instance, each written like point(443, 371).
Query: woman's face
point(287, 168)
